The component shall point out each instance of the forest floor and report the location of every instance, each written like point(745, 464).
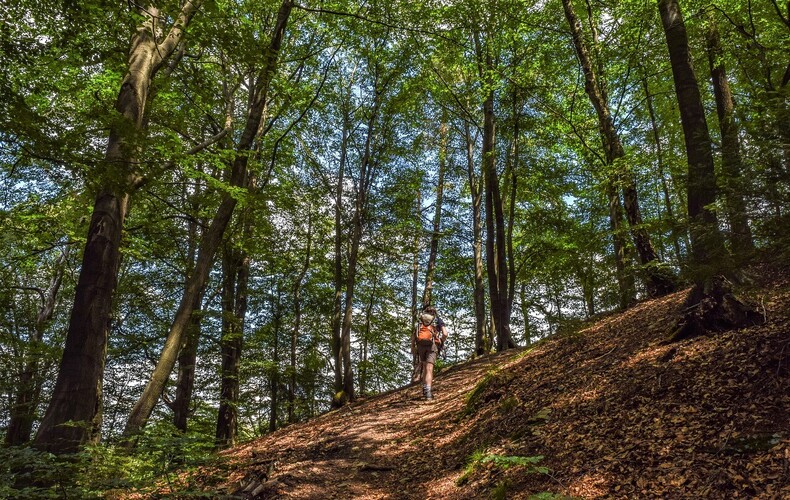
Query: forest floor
point(612, 410)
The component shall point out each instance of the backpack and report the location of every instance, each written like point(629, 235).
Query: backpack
point(427, 334)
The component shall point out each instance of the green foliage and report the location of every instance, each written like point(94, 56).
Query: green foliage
point(163, 457)
point(504, 462)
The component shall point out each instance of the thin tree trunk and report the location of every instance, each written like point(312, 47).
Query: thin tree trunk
point(23, 411)
point(660, 163)
point(707, 248)
point(477, 247)
point(337, 308)
point(357, 225)
point(363, 370)
point(735, 206)
point(437, 218)
point(274, 379)
point(77, 393)
point(525, 314)
point(415, 264)
point(213, 235)
point(511, 182)
point(297, 300)
point(658, 283)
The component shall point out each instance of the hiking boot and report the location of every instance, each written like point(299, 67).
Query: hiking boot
point(428, 394)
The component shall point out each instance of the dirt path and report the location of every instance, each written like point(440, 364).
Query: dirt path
point(377, 448)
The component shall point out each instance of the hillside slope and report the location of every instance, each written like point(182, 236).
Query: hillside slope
point(612, 411)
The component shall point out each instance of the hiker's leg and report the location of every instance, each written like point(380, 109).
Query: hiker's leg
point(416, 372)
point(428, 374)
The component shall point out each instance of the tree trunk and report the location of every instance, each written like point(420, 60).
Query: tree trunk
point(274, 379)
point(710, 306)
point(496, 258)
point(437, 218)
point(735, 206)
point(477, 247)
point(23, 411)
point(77, 393)
point(658, 282)
point(707, 248)
point(297, 300)
point(187, 359)
point(625, 278)
point(525, 314)
point(415, 264)
point(335, 336)
point(235, 272)
point(511, 186)
point(213, 235)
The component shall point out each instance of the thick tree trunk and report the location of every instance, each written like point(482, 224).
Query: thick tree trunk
point(707, 246)
point(437, 218)
point(481, 346)
point(657, 282)
point(710, 305)
point(213, 235)
point(735, 206)
point(77, 393)
point(28, 388)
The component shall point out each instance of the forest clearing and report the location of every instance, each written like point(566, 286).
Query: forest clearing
point(232, 232)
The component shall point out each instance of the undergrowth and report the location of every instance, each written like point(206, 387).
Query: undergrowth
point(163, 457)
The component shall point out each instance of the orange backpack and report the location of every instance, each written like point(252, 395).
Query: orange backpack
point(426, 334)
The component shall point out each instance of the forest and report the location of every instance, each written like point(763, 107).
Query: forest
point(222, 217)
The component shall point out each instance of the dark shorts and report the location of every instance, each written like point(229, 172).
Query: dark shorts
point(427, 353)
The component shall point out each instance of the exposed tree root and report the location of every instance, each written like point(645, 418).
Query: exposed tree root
point(712, 307)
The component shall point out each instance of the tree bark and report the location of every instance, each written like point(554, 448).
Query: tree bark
point(735, 206)
point(657, 282)
point(213, 235)
point(77, 393)
point(23, 411)
point(707, 246)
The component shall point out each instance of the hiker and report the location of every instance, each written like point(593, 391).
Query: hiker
point(426, 342)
